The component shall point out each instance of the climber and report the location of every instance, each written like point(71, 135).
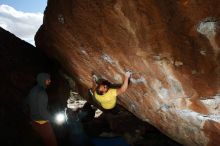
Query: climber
point(106, 95)
point(37, 101)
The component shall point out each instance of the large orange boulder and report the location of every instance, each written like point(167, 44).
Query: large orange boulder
point(172, 48)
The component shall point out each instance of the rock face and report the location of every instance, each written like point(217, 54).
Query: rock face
point(172, 48)
point(20, 63)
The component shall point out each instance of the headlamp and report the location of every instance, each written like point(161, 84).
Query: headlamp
point(60, 118)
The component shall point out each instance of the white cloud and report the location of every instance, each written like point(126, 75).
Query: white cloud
point(24, 25)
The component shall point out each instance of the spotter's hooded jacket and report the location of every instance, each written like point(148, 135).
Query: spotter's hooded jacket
point(38, 100)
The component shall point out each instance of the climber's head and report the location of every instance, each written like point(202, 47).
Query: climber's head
point(103, 86)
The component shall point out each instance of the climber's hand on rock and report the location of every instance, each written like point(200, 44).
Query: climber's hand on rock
point(128, 74)
point(94, 78)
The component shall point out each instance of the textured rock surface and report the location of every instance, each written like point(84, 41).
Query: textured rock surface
point(20, 63)
point(172, 47)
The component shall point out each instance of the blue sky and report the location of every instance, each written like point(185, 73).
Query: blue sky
point(22, 17)
point(26, 5)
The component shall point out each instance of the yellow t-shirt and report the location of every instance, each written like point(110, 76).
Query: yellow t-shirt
point(108, 100)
